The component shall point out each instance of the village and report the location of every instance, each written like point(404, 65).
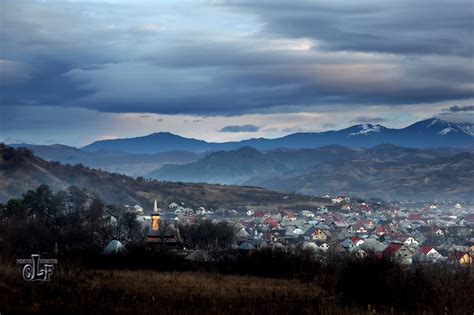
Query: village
point(410, 233)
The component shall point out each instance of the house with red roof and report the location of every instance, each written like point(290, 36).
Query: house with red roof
point(415, 217)
point(379, 230)
point(346, 207)
point(287, 215)
point(259, 214)
point(427, 254)
point(271, 222)
point(357, 241)
point(361, 226)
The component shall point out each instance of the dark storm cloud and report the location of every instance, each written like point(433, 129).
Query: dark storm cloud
point(241, 128)
point(368, 120)
point(101, 57)
point(399, 27)
point(460, 109)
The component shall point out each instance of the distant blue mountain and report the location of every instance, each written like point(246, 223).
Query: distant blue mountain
point(154, 143)
point(423, 134)
point(383, 171)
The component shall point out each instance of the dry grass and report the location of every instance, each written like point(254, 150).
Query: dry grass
point(77, 291)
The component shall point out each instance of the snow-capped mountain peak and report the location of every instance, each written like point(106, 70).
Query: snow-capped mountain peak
point(452, 127)
point(366, 129)
point(441, 127)
point(447, 130)
point(467, 128)
point(433, 122)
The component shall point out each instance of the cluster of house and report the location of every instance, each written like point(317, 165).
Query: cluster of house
point(429, 234)
point(410, 233)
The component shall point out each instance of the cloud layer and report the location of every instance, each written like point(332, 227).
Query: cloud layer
point(231, 58)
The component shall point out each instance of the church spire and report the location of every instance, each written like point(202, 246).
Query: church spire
point(155, 217)
point(155, 208)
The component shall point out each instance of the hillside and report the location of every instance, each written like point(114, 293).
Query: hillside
point(20, 170)
point(449, 179)
point(423, 134)
point(231, 167)
point(110, 160)
point(384, 171)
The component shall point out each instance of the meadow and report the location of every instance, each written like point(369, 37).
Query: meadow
point(78, 291)
point(249, 285)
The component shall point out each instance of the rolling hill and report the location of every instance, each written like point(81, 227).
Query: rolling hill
point(110, 160)
point(231, 167)
point(20, 170)
point(384, 171)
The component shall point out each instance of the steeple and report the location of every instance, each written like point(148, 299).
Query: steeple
point(155, 217)
point(159, 233)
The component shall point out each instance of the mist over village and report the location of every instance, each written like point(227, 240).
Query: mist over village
point(240, 157)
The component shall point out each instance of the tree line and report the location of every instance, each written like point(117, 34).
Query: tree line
point(76, 220)
point(64, 221)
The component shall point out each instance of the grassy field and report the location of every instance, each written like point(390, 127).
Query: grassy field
point(77, 291)
point(259, 283)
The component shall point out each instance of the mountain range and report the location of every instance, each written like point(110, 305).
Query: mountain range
point(423, 134)
point(20, 171)
point(422, 161)
point(384, 171)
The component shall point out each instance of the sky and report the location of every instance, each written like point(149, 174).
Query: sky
point(73, 72)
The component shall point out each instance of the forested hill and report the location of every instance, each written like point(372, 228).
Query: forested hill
point(384, 171)
point(20, 171)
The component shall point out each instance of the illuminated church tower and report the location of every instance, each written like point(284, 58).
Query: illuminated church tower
point(154, 232)
point(155, 218)
point(160, 232)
